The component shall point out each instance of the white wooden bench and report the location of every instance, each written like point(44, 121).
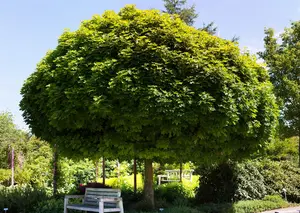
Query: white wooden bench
point(97, 200)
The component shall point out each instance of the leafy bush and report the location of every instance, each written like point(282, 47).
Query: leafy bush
point(182, 209)
point(50, 206)
point(246, 206)
point(216, 208)
point(125, 182)
point(20, 199)
point(173, 191)
point(283, 149)
point(73, 173)
point(216, 184)
point(230, 182)
point(279, 176)
point(5, 175)
point(252, 206)
point(249, 182)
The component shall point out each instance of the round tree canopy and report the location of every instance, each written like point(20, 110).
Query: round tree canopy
point(141, 82)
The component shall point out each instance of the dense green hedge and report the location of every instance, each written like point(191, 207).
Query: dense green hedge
point(248, 181)
point(20, 199)
point(230, 182)
point(249, 206)
point(246, 206)
point(281, 175)
point(172, 192)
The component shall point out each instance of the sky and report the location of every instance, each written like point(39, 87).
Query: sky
point(30, 28)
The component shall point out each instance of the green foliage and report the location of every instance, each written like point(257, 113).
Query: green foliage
point(282, 58)
point(172, 192)
point(125, 182)
point(5, 176)
point(50, 206)
point(230, 182)
point(73, 173)
point(274, 198)
point(253, 206)
point(141, 82)
point(216, 184)
point(248, 206)
point(20, 199)
point(10, 138)
point(36, 167)
point(188, 15)
point(249, 182)
point(212, 29)
point(279, 176)
point(216, 208)
point(286, 149)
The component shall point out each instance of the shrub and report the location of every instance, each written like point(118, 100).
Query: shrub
point(50, 206)
point(246, 206)
point(253, 206)
point(21, 199)
point(182, 209)
point(73, 173)
point(280, 175)
point(249, 182)
point(125, 182)
point(286, 149)
point(216, 184)
point(230, 182)
point(5, 175)
point(173, 191)
point(216, 208)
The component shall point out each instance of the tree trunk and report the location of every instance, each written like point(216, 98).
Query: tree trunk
point(118, 167)
point(103, 171)
point(134, 176)
point(96, 170)
point(55, 171)
point(148, 184)
point(180, 173)
point(299, 146)
point(12, 167)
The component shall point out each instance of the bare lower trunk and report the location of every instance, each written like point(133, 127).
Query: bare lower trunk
point(103, 171)
point(134, 176)
point(12, 167)
point(55, 171)
point(180, 173)
point(119, 172)
point(96, 170)
point(148, 184)
point(299, 147)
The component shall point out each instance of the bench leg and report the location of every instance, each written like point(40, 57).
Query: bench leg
point(65, 205)
point(101, 207)
point(120, 204)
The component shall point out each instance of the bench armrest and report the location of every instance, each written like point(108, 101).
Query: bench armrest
point(73, 196)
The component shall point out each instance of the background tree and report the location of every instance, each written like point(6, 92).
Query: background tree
point(8, 137)
point(142, 83)
point(283, 60)
point(187, 14)
point(210, 28)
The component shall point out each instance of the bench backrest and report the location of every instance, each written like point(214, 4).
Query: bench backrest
point(90, 192)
